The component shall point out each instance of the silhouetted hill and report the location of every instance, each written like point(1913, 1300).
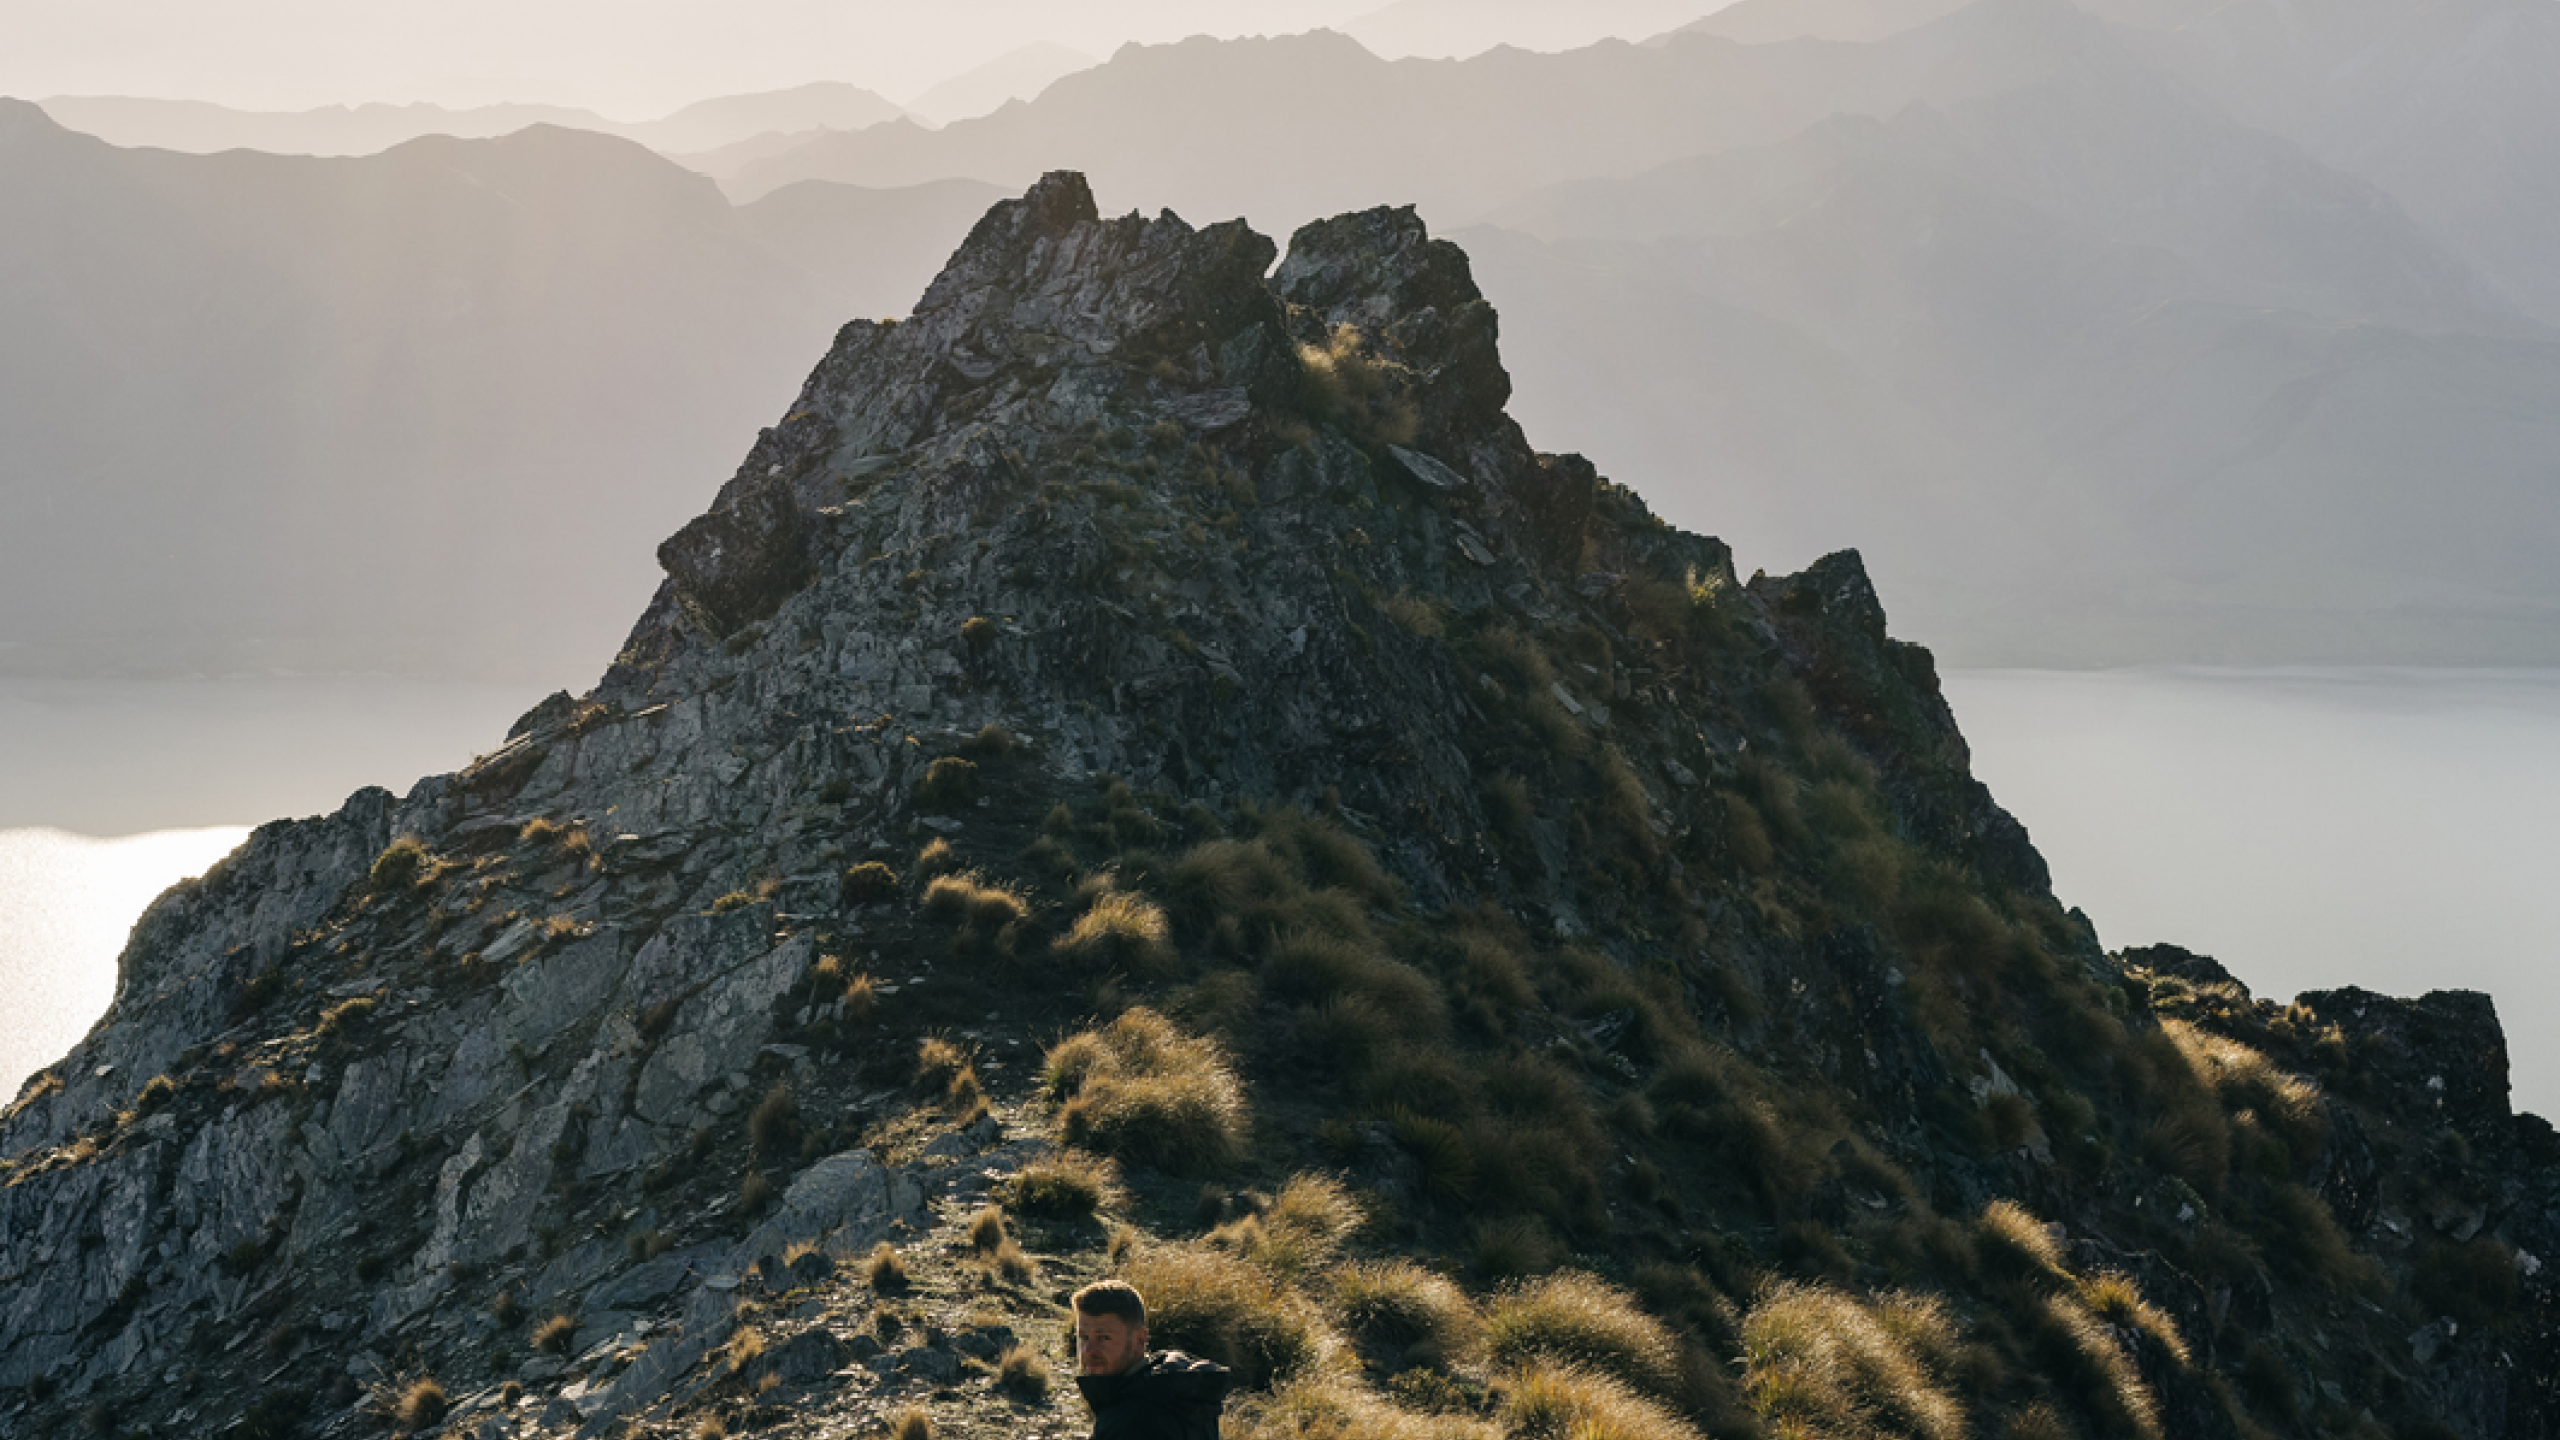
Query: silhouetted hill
point(416, 410)
point(199, 127)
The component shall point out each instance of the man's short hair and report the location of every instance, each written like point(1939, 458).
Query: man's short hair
point(1112, 1297)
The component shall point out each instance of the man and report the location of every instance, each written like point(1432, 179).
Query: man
point(1137, 1396)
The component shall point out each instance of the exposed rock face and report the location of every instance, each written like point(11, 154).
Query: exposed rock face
point(1115, 515)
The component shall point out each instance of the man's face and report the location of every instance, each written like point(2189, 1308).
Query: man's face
point(1107, 1344)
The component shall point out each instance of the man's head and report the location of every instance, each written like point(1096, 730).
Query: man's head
point(1111, 1327)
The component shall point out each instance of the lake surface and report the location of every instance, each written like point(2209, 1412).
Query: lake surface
point(2394, 829)
point(2398, 830)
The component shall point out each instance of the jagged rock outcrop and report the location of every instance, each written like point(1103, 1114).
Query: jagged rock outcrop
point(1131, 564)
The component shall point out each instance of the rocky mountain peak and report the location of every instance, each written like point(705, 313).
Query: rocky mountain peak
point(1143, 639)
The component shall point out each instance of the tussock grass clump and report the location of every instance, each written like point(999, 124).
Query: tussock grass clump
point(420, 1405)
point(1818, 1362)
point(1220, 1305)
point(1300, 1232)
point(2246, 1081)
point(1022, 1372)
point(345, 1017)
point(2081, 1355)
point(886, 1273)
point(911, 1423)
point(973, 900)
point(936, 858)
point(1578, 1319)
point(775, 1122)
point(1369, 395)
point(555, 1335)
point(1311, 966)
point(1066, 1185)
point(1122, 932)
point(403, 865)
point(1334, 1407)
point(2117, 1300)
point(869, 883)
point(1559, 1402)
point(986, 1229)
point(1399, 1305)
point(948, 781)
point(2014, 1247)
point(1143, 1091)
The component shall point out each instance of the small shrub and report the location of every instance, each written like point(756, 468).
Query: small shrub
point(887, 1273)
point(911, 1423)
point(1122, 932)
point(1816, 1361)
point(159, 1092)
point(978, 632)
point(1022, 1372)
point(754, 1193)
point(969, 899)
point(986, 1229)
point(1149, 1094)
point(345, 1016)
point(555, 1335)
point(402, 865)
point(1009, 1262)
point(1302, 1231)
point(1578, 1319)
point(1398, 1304)
point(1065, 1185)
point(775, 1122)
point(936, 858)
point(948, 781)
point(745, 1347)
point(421, 1406)
point(2014, 1246)
point(2081, 1355)
point(1517, 1246)
point(939, 1062)
point(869, 883)
point(1561, 1403)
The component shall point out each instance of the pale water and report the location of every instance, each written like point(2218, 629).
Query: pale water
point(2398, 830)
point(66, 904)
point(2394, 829)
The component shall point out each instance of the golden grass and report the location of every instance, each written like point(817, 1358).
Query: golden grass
point(1143, 1091)
point(1214, 1303)
point(1398, 1304)
point(1552, 1402)
point(1577, 1319)
point(1122, 932)
point(1302, 1231)
point(1817, 1362)
point(1063, 1185)
point(1334, 1407)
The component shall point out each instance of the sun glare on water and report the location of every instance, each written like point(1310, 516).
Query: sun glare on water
point(66, 904)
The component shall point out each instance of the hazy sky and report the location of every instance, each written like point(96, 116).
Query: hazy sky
point(631, 59)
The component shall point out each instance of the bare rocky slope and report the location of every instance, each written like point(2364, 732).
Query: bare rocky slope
point(1145, 770)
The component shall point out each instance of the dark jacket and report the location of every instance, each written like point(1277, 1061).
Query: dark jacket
point(1166, 1396)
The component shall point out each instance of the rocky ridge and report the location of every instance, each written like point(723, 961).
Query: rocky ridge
point(1573, 900)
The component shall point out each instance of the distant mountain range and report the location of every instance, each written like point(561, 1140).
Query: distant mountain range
point(429, 409)
point(201, 128)
point(2140, 330)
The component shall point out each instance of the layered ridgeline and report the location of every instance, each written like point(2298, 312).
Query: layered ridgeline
point(1144, 770)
